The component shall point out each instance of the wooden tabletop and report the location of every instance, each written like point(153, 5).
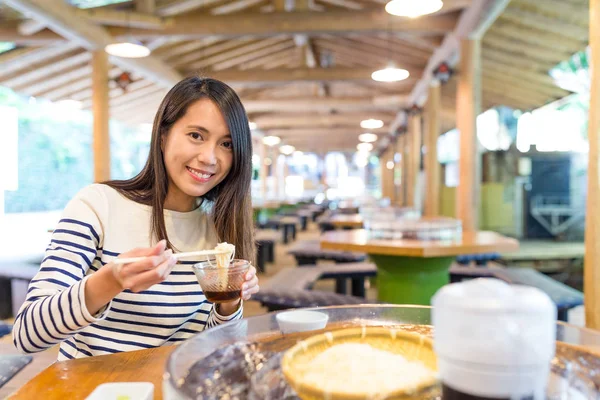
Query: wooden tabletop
point(349, 220)
point(471, 243)
point(77, 379)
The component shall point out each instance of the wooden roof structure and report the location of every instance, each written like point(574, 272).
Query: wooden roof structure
point(301, 67)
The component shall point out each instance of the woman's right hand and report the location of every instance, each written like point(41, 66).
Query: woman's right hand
point(110, 280)
point(140, 275)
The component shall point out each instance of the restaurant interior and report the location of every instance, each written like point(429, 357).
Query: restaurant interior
point(424, 182)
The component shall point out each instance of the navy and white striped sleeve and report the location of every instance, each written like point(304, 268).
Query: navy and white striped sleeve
point(55, 306)
point(214, 318)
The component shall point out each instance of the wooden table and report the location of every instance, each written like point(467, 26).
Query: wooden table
point(353, 221)
point(411, 271)
point(76, 379)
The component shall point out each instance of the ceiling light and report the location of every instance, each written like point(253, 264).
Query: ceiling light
point(253, 125)
point(130, 49)
point(367, 137)
point(287, 149)
point(391, 73)
point(412, 8)
point(365, 147)
point(389, 165)
point(371, 123)
point(268, 161)
point(271, 140)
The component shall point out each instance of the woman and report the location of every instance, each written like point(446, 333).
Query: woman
point(193, 192)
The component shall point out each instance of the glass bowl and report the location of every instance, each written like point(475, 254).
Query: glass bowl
point(221, 284)
point(575, 370)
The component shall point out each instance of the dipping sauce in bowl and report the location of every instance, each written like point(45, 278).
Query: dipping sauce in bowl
point(221, 284)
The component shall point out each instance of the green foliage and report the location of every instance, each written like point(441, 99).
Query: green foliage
point(55, 153)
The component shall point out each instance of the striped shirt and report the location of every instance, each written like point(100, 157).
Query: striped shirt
point(96, 226)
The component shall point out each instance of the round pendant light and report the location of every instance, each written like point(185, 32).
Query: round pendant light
point(371, 123)
point(129, 49)
point(413, 8)
point(271, 140)
point(364, 147)
point(367, 137)
point(287, 149)
point(391, 73)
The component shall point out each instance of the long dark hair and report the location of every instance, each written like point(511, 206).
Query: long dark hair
point(231, 201)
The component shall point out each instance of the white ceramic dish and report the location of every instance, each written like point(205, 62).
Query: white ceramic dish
point(123, 391)
point(301, 321)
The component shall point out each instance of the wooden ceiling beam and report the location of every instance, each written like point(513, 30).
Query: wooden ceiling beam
point(253, 55)
point(62, 18)
point(262, 62)
point(22, 80)
point(546, 24)
point(524, 50)
point(370, 55)
point(552, 91)
point(227, 53)
point(299, 75)
point(190, 55)
point(184, 6)
point(310, 120)
point(499, 57)
point(321, 132)
point(534, 36)
point(301, 22)
point(65, 86)
point(20, 60)
point(367, 49)
point(391, 103)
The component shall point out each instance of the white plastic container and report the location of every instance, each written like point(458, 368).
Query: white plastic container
point(301, 321)
point(123, 391)
point(494, 340)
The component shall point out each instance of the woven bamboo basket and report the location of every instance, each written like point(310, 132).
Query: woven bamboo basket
point(411, 346)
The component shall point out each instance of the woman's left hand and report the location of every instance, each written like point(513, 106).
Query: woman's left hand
point(250, 285)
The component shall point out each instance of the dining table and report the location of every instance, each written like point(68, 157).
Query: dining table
point(346, 221)
point(168, 367)
point(410, 271)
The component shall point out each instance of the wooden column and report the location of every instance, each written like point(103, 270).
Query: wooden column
point(399, 171)
point(387, 175)
point(101, 117)
point(414, 158)
point(145, 6)
point(592, 217)
point(468, 105)
point(262, 172)
point(432, 167)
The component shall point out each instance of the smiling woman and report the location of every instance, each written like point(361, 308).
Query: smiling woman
point(193, 192)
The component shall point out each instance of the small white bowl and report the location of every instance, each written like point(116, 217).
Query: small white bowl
point(301, 321)
point(129, 390)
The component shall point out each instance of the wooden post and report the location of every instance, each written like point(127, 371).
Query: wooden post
point(145, 6)
point(432, 167)
point(592, 217)
point(399, 171)
point(387, 178)
point(468, 105)
point(101, 117)
point(262, 171)
point(414, 158)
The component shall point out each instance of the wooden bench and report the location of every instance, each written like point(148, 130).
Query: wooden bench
point(562, 295)
point(287, 223)
point(265, 248)
point(291, 287)
point(14, 280)
point(308, 252)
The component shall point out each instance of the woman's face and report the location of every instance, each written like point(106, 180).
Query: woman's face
point(197, 152)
